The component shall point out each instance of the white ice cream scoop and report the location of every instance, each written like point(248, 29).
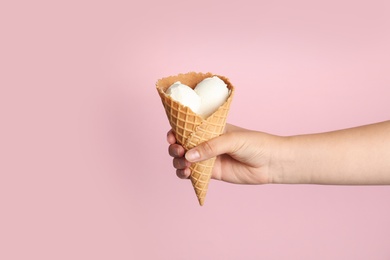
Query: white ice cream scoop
point(213, 92)
point(185, 96)
point(205, 99)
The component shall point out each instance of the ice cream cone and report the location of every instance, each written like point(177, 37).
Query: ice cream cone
point(191, 129)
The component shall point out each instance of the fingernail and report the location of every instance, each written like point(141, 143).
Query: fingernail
point(192, 155)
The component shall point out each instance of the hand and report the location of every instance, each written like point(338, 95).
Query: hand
point(354, 156)
point(242, 156)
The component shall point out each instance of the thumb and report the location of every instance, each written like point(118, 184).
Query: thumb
point(222, 144)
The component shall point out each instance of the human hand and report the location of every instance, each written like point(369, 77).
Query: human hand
point(242, 156)
point(358, 155)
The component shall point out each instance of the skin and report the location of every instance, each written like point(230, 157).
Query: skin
point(354, 156)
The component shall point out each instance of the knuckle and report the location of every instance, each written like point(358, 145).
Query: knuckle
point(171, 150)
point(179, 173)
point(174, 163)
point(175, 150)
point(182, 174)
point(179, 163)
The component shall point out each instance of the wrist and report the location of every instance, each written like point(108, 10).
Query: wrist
point(283, 161)
point(277, 162)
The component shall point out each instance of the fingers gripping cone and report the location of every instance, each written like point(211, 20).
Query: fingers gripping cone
point(191, 129)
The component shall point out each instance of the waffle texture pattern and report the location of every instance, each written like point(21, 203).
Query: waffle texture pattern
point(191, 129)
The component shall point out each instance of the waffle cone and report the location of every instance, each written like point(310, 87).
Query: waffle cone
point(190, 129)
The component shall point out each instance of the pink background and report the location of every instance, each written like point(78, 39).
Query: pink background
point(84, 168)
